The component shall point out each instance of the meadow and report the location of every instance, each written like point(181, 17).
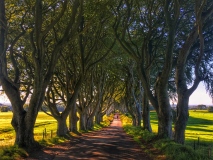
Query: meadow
point(45, 127)
point(199, 127)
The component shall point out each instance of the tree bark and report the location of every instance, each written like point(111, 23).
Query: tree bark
point(146, 113)
point(164, 112)
point(182, 118)
point(73, 119)
point(62, 128)
point(90, 123)
point(98, 118)
point(82, 121)
point(139, 114)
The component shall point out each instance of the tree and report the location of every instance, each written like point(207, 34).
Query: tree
point(42, 55)
point(78, 57)
point(202, 14)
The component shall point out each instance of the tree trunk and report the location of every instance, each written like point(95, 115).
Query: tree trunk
point(73, 119)
point(23, 122)
point(182, 119)
point(23, 127)
point(62, 128)
point(164, 113)
point(90, 123)
point(98, 118)
point(82, 121)
point(133, 121)
point(146, 113)
point(139, 116)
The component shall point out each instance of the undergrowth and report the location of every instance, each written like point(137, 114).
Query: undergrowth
point(12, 152)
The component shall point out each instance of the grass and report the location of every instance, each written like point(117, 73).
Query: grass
point(12, 152)
point(200, 125)
point(199, 137)
point(43, 122)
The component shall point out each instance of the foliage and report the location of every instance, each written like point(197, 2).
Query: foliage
point(4, 109)
point(137, 132)
point(177, 151)
point(52, 141)
point(210, 109)
point(13, 152)
point(106, 121)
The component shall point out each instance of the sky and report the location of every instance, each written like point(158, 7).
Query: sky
point(200, 96)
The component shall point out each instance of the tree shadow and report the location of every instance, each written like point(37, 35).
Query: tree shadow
point(194, 123)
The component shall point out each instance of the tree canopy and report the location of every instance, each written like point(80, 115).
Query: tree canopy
point(92, 55)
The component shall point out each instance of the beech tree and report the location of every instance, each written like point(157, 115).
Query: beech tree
point(198, 33)
point(38, 25)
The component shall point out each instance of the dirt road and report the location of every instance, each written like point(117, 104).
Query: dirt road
point(110, 143)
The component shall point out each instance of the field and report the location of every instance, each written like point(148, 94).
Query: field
point(200, 127)
point(43, 123)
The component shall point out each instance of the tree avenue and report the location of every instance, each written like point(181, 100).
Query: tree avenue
point(90, 56)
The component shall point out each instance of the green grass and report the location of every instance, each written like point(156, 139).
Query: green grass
point(12, 152)
point(200, 124)
point(7, 133)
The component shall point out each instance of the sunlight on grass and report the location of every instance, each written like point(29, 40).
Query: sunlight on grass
point(200, 125)
point(43, 123)
point(6, 130)
point(154, 121)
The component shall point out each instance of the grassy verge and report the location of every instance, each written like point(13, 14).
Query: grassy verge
point(192, 150)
